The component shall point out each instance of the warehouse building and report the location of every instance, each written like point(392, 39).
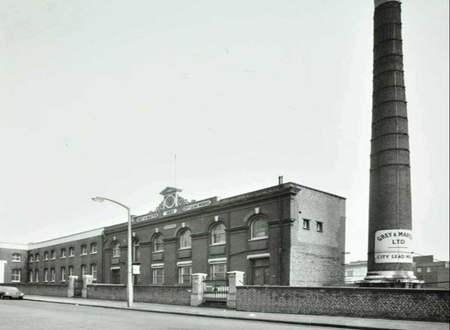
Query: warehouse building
point(287, 234)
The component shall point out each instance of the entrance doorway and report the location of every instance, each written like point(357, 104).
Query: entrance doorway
point(260, 271)
point(115, 276)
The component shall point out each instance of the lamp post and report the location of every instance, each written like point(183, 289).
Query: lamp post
point(129, 267)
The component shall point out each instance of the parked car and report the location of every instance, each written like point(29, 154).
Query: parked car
point(10, 292)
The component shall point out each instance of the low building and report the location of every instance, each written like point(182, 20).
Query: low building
point(355, 271)
point(434, 273)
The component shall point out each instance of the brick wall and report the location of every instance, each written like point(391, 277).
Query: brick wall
point(317, 257)
point(385, 303)
point(55, 290)
point(6, 255)
point(173, 295)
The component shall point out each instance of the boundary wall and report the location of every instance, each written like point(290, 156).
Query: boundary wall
point(172, 295)
point(383, 303)
point(55, 290)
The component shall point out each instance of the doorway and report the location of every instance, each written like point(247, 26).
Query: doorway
point(260, 271)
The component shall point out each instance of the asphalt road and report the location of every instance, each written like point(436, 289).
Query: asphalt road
point(32, 315)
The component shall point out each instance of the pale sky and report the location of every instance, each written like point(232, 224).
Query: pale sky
point(97, 96)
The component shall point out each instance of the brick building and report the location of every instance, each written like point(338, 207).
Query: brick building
point(282, 235)
point(13, 262)
point(435, 274)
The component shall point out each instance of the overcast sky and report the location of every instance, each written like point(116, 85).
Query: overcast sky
point(97, 96)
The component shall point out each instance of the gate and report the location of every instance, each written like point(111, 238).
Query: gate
point(78, 286)
point(215, 290)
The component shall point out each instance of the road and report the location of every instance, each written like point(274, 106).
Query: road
point(26, 315)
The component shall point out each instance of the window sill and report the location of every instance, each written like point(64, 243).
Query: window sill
point(258, 238)
point(93, 253)
point(15, 281)
point(218, 244)
point(159, 251)
point(183, 249)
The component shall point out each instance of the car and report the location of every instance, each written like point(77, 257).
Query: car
point(10, 292)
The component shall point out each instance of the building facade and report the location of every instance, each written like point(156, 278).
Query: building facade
point(435, 274)
point(282, 235)
point(13, 262)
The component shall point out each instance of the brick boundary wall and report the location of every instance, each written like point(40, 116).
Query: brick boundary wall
point(55, 290)
point(172, 295)
point(383, 303)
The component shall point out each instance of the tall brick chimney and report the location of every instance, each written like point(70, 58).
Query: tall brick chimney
point(390, 224)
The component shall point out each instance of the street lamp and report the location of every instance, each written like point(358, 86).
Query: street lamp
point(129, 272)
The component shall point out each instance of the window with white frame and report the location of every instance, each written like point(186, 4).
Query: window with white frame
point(45, 255)
point(93, 248)
point(218, 234)
point(53, 254)
point(94, 271)
point(36, 276)
point(15, 275)
point(185, 239)
point(36, 257)
point(63, 274)
point(83, 249)
point(63, 253)
point(70, 272)
point(158, 275)
point(16, 257)
point(259, 228)
point(52, 274)
point(218, 271)
point(30, 276)
point(428, 269)
point(83, 270)
point(158, 243)
point(116, 250)
point(71, 251)
point(184, 274)
point(45, 275)
point(419, 270)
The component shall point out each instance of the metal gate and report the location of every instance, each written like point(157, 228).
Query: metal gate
point(78, 286)
point(215, 290)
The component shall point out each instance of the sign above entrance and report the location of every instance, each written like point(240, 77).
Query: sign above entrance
point(393, 246)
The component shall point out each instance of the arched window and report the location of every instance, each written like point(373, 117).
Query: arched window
point(36, 275)
point(116, 250)
point(45, 255)
point(36, 257)
point(83, 270)
point(63, 253)
point(30, 276)
point(70, 270)
point(158, 243)
point(218, 235)
point(52, 254)
point(52, 274)
point(136, 251)
point(185, 239)
point(259, 228)
point(45, 275)
point(83, 249)
point(93, 248)
point(71, 251)
point(63, 274)
point(94, 271)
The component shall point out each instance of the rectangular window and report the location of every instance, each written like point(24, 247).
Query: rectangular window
point(93, 248)
point(184, 274)
point(70, 270)
point(158, 275)
point(83, 270)
point(428, 269)
point(419, 270)
point(218, 271)
point(306, 223)
point(46, 255)
point(71, 252)
point(45, 275)
point(83, 250)
point(36, 276)
point(319, 226)
point(63, 253)
point(53, 254)
point(18, 258)
point(37, 257)
point(15, 275)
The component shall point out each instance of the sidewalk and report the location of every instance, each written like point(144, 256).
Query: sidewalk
point(330, 321)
